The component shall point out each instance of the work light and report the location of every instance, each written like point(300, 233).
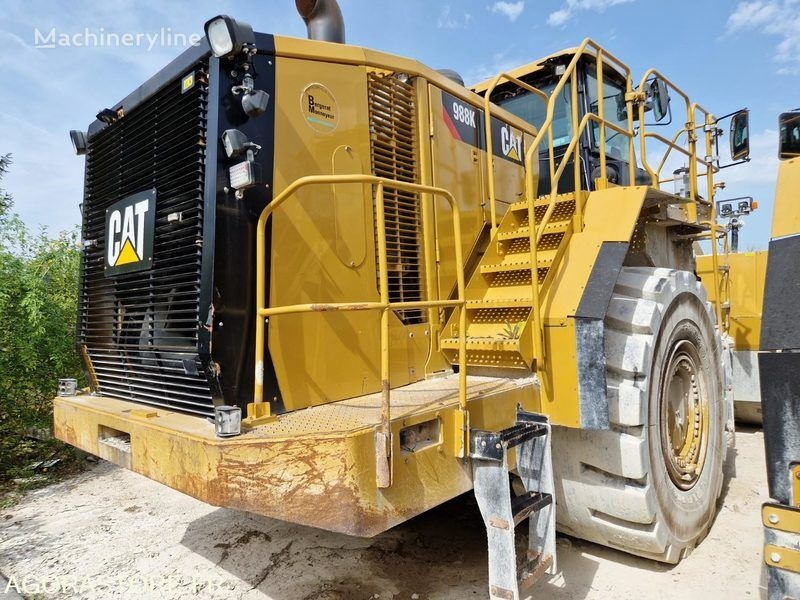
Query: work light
point(235, 142)
point(227, 421)
point(78, 141)
point(227, 36)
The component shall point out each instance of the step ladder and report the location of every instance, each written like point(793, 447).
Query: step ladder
point(499, 295)
point(502, 512)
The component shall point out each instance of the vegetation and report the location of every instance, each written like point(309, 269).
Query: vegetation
point(38, 294)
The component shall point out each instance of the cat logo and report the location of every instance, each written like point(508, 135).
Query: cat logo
point(510, 143)
point(130, 225)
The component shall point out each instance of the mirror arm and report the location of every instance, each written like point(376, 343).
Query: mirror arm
point(733, 164)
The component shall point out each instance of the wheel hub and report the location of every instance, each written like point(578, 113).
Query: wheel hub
point(684, 415)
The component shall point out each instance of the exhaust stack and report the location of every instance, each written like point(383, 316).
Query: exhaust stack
point(323, 19)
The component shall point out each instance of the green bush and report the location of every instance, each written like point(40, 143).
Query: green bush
point(38, 295)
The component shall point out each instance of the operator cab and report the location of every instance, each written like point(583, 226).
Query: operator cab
point(545, 75)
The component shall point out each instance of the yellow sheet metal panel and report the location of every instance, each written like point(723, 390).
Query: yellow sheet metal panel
point(610, 215)
point(783, 518)
point(315, 467)
point(746, 275)
point(559, 385)
point(786, 214)
point(457, 166)
point(782, 558)
point(323, 245)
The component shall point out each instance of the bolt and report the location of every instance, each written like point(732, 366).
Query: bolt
point(775, 557)
point(773, 519)
point(497, 446)
point(797, 473)
point(483, 444)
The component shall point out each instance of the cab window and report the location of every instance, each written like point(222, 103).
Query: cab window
point(532, 109)
point(614, 110)
point(790, 135)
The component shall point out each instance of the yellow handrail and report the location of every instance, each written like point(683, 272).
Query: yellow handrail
point(601, 56)
point(263, 312)
point(487, 106)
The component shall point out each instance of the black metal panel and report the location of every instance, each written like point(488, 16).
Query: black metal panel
point(180, 335)
point(166, 76)
point(600, 287)
point(780, 405)
point(228, 346)
point(780, 325)
point(590, 335)
point(140, 329)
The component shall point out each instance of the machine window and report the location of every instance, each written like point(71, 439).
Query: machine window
point(614, 110)
point(532, 109)
point(790, 135)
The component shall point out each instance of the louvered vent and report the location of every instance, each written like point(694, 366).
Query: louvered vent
point(140, 330)
point(392, 112)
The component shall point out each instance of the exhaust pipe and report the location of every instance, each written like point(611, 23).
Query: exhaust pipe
point(323, 18)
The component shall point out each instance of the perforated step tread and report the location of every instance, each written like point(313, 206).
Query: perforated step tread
point(542, 201)
point(525, 232)
point(520, 262)
point(484, 343)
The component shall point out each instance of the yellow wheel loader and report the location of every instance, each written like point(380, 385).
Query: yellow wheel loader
point(740, 291)
point(337, 287)
point(779, 370)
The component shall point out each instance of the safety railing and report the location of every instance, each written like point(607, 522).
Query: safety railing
point(634, 98)
point(722, 282)
point(556, 170)
point(708, 162)
point(487, 107)
point(384, 305)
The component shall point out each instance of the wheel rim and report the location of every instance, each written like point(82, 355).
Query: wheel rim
point(684, 415)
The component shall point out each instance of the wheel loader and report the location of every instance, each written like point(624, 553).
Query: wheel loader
point(337, 287)
point(740, 290)
point(779, 372)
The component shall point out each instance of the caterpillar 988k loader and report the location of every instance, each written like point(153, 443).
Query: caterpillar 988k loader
point(337, 287)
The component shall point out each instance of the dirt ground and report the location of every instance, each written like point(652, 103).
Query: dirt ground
point(109, 533)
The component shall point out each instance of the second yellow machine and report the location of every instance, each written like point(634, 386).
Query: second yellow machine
point(339, 288)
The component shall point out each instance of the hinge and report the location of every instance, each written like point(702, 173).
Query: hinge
point(635, 97)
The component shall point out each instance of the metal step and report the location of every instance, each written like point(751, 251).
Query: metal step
point(495, 344)
point(529, 502)
point(542, 201)
point(490, 304)
point(520, 262)
point(501, 511)
point(525, 232)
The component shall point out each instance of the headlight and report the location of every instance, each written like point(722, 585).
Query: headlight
point(227, 36)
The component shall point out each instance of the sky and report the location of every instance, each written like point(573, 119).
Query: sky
point(727, 55)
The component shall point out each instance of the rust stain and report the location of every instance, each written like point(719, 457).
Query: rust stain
point(331, 307)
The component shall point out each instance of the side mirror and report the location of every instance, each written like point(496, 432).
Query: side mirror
point(658, 94)
point(740, 135)
point(789, 125)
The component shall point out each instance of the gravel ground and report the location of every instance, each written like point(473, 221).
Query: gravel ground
point(109, 533)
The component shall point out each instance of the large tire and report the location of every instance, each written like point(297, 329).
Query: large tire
point(620, 487)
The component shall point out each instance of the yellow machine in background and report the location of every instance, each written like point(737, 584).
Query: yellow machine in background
point(337, 287)
point(741, 289)
point(779, 368)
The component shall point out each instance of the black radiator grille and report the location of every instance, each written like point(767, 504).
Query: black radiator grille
point(392, 113)
point(140, 330)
